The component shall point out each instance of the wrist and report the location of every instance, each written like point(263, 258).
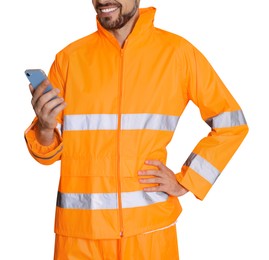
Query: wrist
point(182, 190)
point(45, 136)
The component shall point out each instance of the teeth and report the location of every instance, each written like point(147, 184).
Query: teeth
point(108, 10)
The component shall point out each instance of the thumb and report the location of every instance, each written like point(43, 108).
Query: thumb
point(32, 90)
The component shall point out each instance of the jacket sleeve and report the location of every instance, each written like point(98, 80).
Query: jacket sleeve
point(228, 126)
point(43, 154)
point(48, 154)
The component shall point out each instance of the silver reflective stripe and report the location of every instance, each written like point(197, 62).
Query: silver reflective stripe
point(202, 167)
point(141, 198)
point(128, 122)
point(87, 201)
point(51, 156)
point(91, 122)
point(95, 201)
point(149, 121)
point(227, 119)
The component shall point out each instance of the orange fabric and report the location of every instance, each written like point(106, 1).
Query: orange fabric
point(156, 73)
point(159, 245)
point(43, 154)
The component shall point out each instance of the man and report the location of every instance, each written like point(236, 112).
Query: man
point(119, 95)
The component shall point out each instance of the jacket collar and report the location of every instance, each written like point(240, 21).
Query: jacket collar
point(143, 24)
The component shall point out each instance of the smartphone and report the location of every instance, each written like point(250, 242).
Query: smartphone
point(36, 76)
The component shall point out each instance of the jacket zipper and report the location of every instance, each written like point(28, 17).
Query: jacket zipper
point(118, 143)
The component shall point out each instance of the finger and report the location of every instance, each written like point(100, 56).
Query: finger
point(151, 180)
point(51, 104)
point(156, 163)
point(39, 91)
point(58, 109)
point(31, 89)
point(150, 172)
point(48, 96)
point(154, 189)
point(48, 119)
point(49, 115)
point(39, 103)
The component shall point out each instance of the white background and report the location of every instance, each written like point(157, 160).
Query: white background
point(232, 222)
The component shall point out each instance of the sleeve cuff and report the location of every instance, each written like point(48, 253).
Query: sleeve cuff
point(43, 154)
point(193, 182)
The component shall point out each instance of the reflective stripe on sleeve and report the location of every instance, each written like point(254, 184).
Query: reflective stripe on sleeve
point(227, 119)
point(48, 157)
point(94, 201)
point(128, 122)
point(202, 167)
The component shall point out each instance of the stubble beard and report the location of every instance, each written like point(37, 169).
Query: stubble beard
point(121, 20)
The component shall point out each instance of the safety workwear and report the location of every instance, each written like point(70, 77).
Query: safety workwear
point(158, 245)
point(123, 105)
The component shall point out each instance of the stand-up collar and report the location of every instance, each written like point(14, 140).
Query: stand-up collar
point(143, 23)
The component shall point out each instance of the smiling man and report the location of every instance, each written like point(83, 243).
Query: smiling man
point(118, 95)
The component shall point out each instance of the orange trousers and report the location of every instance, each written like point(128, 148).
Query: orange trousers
point(157, 245)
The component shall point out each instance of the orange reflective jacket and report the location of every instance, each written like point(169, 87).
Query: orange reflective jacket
point(123, 105)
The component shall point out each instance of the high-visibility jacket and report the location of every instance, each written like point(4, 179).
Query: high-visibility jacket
point(123, 105)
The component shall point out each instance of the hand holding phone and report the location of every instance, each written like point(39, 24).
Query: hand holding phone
point(46, 104)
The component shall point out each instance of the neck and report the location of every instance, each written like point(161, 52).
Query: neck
point(122, 33)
